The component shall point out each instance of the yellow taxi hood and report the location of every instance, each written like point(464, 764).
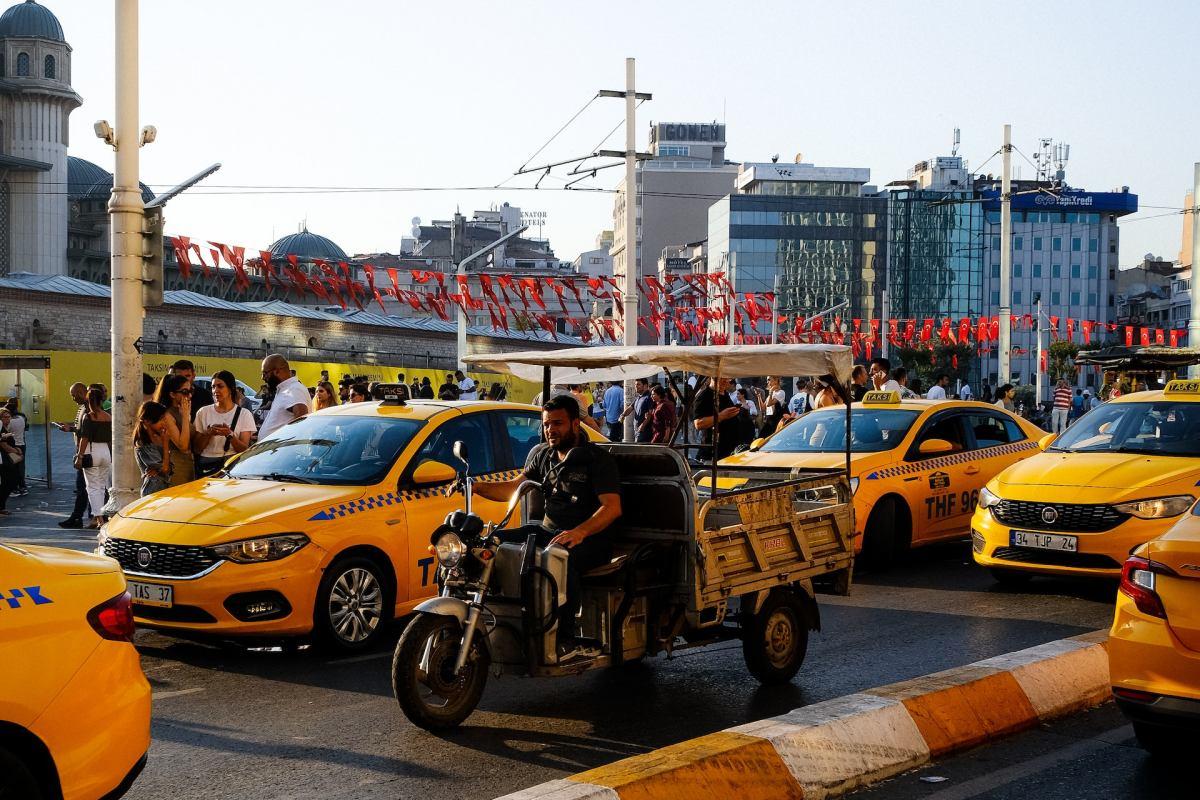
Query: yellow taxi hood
point(67, 562)
point(227, 502)
point(1126, 471)
point(782, 460)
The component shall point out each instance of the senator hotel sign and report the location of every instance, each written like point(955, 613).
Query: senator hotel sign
point(1093, 202)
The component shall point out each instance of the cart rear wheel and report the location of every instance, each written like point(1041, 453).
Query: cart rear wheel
point(775, 640)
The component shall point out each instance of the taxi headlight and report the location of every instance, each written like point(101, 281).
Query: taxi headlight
point(267, 548)
point(988, 499)
point(1157, 508)
point(450, 550)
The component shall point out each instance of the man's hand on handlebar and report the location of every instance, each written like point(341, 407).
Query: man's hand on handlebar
point(569, 539)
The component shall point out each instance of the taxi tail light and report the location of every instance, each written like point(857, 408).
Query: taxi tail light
point(113, 619)
point(1138, 584)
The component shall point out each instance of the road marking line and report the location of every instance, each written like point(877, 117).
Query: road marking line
point(356, 659)
point(176, 693)
point(985, 784)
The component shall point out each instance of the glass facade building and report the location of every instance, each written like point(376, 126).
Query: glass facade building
point(825, 248)
point(936, 253)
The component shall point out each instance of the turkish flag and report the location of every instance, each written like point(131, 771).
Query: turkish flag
point(1174, 338)
point(1158, 336)
point(1054, 327)
point(1128, 336)
point(1070, 329)
point(1087, 325)
point(1145, 337)
point(182, 245)
point(964, 329)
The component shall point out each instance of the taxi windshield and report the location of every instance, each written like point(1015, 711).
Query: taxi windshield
point(872, 430)
point(1165, 428)
point(334, 450)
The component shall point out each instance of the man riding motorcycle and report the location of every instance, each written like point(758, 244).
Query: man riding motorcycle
point(582, 500)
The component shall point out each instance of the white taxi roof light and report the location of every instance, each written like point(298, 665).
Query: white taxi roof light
point(881, 399)
point(1183, 387)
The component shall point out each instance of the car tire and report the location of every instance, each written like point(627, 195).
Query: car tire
point(16, 780)
point(1159, 741)
point(354, 606)
point(775, 639)
point(1010, 577)
point(879, 537)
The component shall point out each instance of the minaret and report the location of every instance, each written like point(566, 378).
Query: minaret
point(36, 100)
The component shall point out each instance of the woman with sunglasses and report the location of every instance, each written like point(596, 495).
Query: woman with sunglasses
point(175, 392)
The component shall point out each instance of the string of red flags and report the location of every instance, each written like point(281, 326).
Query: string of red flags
point(688, 308)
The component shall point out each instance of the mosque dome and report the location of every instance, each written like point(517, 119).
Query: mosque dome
point(88, 181)
point(29, 19)
point(307, 246)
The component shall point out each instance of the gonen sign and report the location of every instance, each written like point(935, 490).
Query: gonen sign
point(688, 132)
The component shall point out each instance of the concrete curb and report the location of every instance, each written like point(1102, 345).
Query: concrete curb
point(829, 748)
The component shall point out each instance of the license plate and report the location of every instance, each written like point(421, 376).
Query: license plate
point(152, 594)
point(1045, 541)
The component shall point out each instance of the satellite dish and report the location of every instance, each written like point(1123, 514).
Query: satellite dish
point(416, 231)
point(416, 221)
point(429, 262)
point(799, 158)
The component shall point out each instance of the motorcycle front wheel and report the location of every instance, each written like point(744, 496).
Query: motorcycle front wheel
point(423, 678)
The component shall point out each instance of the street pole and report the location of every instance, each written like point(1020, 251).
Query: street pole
point(1194, 322)
point(1041, 377)
point(883, 325)
point(1005, 365)
point(775, 311)
point(631, 235)
point(731, 276)
point(461, 269)
point(126, 211)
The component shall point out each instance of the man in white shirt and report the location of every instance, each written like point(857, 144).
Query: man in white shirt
point(291, 399)
point(938, 390)
point(466, 387)
point(881, 376)
point(965, 392)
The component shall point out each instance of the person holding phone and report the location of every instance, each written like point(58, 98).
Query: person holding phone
point(222, 428)
point(175, 392)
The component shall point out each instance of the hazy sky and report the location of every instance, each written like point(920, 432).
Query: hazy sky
point(300, 93)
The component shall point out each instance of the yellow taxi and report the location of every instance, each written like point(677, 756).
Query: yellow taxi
point(917, 466)
point(75, 706)
point(1154, 644)
point(1119, 476)
point(321, 529)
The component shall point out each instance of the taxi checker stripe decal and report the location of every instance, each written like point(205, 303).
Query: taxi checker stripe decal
point(364, 504)
point(949, 461)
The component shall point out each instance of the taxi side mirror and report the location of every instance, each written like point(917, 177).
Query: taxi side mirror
point(1105, 428)
point(1046, 441)
point(757, 444)
point(935, 447)
point(431, 471)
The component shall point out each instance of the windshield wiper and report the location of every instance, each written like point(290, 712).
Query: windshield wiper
point(282, 477)
point(1139, 450)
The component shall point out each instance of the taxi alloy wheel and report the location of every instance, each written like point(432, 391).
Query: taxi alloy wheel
point(16, 781)
point(353, 602)
point(775, 640)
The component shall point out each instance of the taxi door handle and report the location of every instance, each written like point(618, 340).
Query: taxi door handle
point(971, 469)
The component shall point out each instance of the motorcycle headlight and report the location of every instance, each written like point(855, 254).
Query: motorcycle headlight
point(450, 550)
point(1157, 508)
point(267, 548)
point(988, 499)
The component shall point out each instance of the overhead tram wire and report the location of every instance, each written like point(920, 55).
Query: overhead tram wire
point(549, 141)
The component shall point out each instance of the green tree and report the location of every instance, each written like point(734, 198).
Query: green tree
point(1060, 360)
point(925, 364)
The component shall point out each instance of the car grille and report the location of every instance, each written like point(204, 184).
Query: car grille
point(1082, 518)
point(1055, 558)
point(167, 560)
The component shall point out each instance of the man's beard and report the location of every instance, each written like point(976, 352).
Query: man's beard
point(567, 442)
point(273, 381)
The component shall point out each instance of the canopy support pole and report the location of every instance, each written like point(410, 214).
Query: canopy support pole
point(681, 422)
point(546, 394)
point(716, 387)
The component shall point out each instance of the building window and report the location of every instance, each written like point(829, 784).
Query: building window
point(1056, 244)
point(1076, 244)
point(996, 243)
point(23, 65)
point(995, 270)
point(995, 298)
point(1016, 298)
point(1074, 298)
point(1037, 243)
point(1074, 270)
point(1037, 270)
point(1093, 271)
point(1091, 298)
point(1017, 270)
point(1056, 270)
point(673, 150)
point(1018, 243)
point(1056, 298)
point(48, 70)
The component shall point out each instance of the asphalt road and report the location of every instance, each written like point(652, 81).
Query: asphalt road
point(233, 723)
point(1092, 755)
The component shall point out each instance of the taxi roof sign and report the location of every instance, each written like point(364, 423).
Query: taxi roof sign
point(1182, 387)
point(881, 398)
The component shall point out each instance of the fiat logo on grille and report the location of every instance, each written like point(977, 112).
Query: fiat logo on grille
point(143, 556)
point(1049, 515)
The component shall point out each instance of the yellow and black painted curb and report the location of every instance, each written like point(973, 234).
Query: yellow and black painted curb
point(829, 748)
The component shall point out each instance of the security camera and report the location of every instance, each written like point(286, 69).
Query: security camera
point(149, 134)
point(104, 131)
